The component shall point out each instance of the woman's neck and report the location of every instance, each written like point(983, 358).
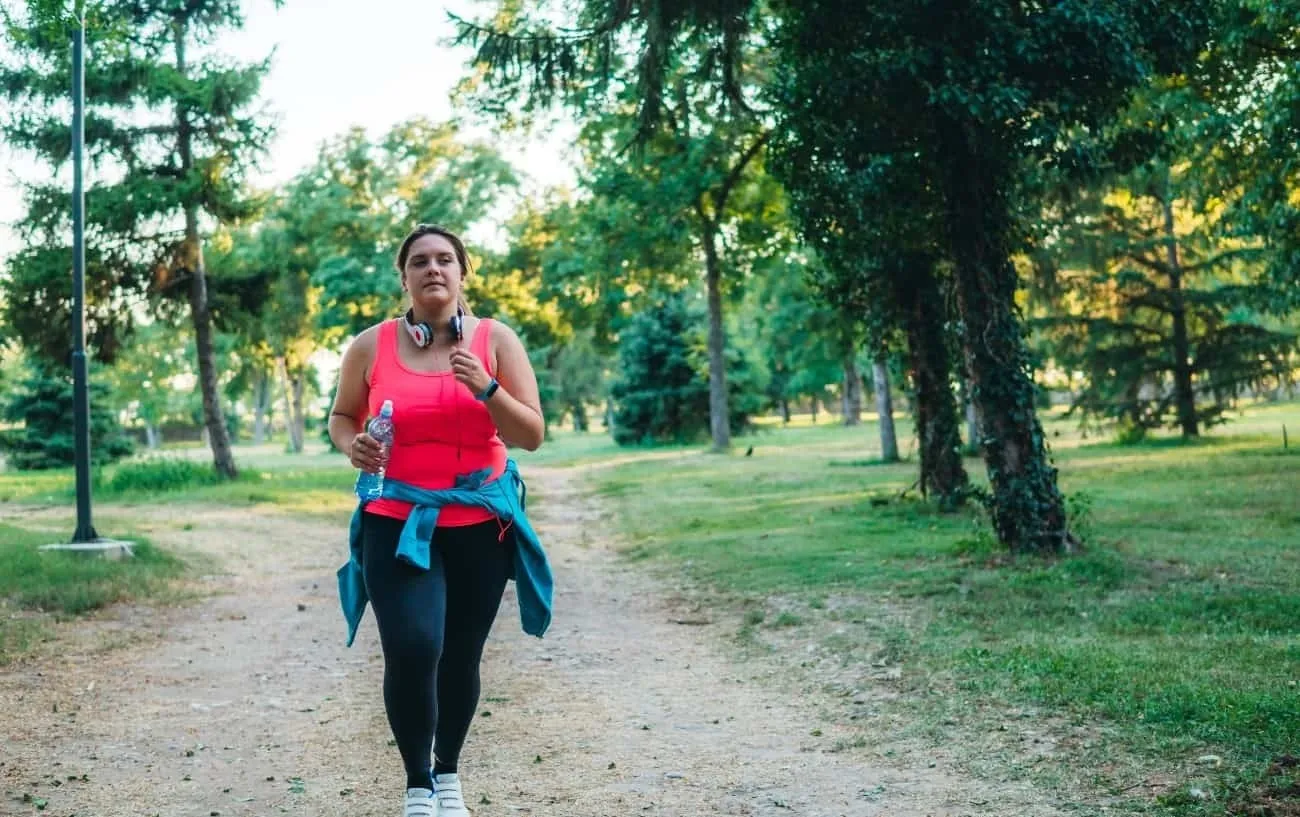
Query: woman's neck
point(438, 320)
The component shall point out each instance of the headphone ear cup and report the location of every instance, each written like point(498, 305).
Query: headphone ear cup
point(420, 332)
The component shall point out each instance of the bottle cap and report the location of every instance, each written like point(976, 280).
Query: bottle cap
point(386, 410)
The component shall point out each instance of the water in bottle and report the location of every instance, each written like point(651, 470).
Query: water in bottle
point(381, 429)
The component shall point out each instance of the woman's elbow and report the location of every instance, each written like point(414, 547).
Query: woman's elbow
point(533, 436)
point(534, 440)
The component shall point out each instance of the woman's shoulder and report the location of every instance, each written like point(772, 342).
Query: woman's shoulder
point(497, 327)
point(367, 340)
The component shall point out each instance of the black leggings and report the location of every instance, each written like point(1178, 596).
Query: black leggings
point(432, 627)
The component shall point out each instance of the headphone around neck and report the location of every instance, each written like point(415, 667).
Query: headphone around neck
point(422, 333)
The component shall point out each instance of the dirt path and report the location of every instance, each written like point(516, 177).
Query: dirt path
point(247, 703)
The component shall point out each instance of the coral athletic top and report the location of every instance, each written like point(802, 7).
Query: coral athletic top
point(439, 429)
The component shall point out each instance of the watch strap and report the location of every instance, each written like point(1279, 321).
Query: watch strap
point(488, 391)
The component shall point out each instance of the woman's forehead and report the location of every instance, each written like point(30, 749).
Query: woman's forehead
point(431, 245)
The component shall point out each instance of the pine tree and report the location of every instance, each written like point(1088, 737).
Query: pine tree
point(172, 136)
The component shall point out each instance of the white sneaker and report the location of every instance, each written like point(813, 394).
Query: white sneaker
point(420, 803)
point(447, 793)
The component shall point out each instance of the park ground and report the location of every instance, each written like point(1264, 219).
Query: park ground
point(788, 632)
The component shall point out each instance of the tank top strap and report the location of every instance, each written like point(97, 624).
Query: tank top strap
point(481, 344)
point(385, 348)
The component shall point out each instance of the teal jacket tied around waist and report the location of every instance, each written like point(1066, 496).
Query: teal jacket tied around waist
point(505, 497)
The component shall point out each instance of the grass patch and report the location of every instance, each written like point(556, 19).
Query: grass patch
point(37, 585)
point(1179, 627)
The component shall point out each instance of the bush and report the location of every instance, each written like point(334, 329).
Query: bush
point(43, 404)
point(661, 392)
point(158, 475)
point(658, 395)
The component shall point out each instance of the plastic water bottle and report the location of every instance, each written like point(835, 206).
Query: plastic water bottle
point(381, 429)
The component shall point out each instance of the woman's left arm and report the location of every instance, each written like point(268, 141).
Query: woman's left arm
point(516, 406)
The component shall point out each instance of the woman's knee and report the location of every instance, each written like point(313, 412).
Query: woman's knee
point(413, 648)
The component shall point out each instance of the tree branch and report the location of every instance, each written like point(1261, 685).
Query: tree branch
point(733, 177)
point(1218, 258)
point(1150, 263)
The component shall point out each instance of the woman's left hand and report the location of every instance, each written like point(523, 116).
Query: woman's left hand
point(469, 370)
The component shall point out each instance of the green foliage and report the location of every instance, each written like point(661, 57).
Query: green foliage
point(1145, 286)
point(141, 378)
point(661, 390)
point(658, 394)
point(43, 404)
point(158, 475)
point(344, 217)
point(140, 88)
point(579, 375)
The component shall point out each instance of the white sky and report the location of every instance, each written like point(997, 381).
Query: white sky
point(340, 63)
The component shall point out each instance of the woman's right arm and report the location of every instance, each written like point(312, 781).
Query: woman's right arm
point(348, 414)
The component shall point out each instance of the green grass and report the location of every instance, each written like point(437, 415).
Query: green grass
point(1178, 630)
point(1179, 627)
point(37, 585)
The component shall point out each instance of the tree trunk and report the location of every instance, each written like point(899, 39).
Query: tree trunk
point(295, 422)
point(579, 412)
point(152, 436)
point(814, 409)
point(261, 407)
point(719, 416)
point(1184, 394)
point(785, 410)
point(885, 410)
point(214, 420)
point(192, 257)
point(935, 408)
point(1027, 507)
point(851, 393)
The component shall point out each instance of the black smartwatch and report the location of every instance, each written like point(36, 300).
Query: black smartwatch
point(488, 391)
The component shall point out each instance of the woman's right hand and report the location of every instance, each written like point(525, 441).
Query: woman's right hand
point(366, 453)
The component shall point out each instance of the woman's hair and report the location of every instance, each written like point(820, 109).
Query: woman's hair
point(462, 257)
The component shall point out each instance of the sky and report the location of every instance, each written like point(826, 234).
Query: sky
point(340, 63)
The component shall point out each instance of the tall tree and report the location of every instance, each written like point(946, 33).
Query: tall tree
point(172, 132)
point(963, 96)
point(691, 165)
point(349, 210)
point(702, 173)
point(1161, 312)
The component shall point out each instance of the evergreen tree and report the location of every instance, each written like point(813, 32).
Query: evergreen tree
point(661, 391)
point(42, 404)
point(171, 129)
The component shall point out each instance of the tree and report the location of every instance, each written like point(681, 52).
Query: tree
point(964, 97)
point(658, 397)
point(661, 391)
point(699, 166)
point(42, 403)
point(349, 211)
point(171, 131)
point(142, 376)
point(1159, 313)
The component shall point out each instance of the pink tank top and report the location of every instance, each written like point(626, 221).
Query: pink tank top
point(440, 430)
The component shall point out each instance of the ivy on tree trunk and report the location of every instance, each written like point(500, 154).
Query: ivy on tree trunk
point(1027, 507)
point(937, 423)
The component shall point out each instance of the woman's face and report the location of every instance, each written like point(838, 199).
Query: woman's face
point(432, 273)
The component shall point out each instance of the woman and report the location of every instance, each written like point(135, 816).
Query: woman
point(462, 389)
